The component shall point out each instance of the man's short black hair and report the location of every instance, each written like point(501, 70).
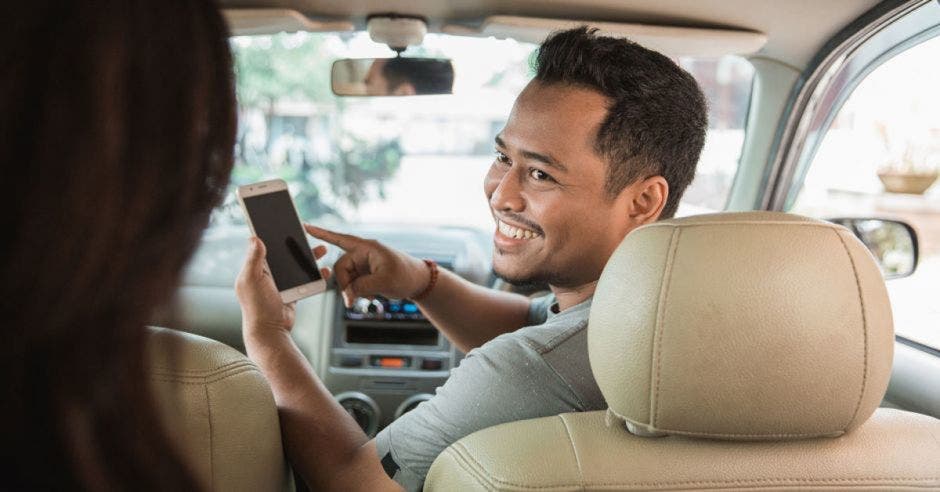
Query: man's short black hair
point(427, 76)
point(657, 115)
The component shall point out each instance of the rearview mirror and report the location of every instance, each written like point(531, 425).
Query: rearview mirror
point(893, 243)
point(398, 76)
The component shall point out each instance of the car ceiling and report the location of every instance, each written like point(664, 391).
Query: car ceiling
point(796, 29)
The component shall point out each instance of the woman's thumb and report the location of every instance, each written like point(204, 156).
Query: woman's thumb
point(256, 252)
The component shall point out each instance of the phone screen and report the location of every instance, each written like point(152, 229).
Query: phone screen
point(275, 221)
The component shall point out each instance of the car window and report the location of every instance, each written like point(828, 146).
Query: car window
point(417, 160)
point(880, 158)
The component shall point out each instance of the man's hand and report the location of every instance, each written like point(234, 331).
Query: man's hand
point(262, 307)
point(370, 268)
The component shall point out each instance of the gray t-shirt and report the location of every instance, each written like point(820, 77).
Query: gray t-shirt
point(536, 371)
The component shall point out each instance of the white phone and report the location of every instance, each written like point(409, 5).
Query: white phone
point(273, 217)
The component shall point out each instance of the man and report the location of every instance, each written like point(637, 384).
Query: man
point(402, 76)
point(603, 140)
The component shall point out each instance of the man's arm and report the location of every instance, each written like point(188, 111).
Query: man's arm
point(469, 315)
point(323, 443)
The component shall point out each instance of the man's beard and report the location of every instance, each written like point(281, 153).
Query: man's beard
point(533, 281)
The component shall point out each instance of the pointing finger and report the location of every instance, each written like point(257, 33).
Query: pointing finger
point(344, 241)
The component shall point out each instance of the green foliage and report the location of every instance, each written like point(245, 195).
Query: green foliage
point(281, 67)
point(295, 68)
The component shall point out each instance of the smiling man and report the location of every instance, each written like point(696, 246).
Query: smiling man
point(603, 140)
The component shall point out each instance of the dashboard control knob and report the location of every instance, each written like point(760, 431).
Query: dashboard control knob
point(361, 305)
point(363, 410)
point(410, 403)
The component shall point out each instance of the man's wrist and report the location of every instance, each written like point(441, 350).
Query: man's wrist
point(432, 273)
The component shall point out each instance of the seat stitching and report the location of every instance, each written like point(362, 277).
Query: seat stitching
point(197, 380)
point(211, 447)
point(574, 449)
point(861, 300)
point(747, 223)
point(224, 368)
point(468, 464)
point(748, 481)
point(468, 456)
point(716, 434)
point(660, 315)
point(162, 369)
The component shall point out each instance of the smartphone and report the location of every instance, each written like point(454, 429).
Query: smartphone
point(273, 217)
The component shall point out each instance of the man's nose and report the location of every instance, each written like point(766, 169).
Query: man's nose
point(506, 191)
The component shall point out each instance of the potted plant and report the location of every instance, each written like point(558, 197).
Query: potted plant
point(914, 169)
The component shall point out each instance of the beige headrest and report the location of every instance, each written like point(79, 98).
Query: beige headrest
point(747, 326)
point(219, 411)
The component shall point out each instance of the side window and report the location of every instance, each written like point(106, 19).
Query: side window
point(881, 158)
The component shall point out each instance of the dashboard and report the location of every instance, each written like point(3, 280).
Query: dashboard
point(381, 357)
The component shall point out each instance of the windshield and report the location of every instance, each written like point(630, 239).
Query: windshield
point(417, 160)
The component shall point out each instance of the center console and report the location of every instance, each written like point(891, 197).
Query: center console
point(385, 359)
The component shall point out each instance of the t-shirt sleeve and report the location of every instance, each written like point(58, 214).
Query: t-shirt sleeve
point(503, 381)
point(538, 309)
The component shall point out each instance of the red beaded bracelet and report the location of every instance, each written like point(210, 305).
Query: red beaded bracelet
point(427, 290)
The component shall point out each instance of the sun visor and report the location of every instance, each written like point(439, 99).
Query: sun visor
point(671, 40)
point(244, 22)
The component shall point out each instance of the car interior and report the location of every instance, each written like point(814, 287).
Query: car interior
point(822, 152)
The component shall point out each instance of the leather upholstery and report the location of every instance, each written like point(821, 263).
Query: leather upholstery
point(220, 411)
point(894, 450)
point(744, 351)
point(742, 326)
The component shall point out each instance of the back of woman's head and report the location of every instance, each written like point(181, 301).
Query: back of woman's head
point(117, 125)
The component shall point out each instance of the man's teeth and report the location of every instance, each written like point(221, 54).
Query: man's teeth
point(515, 232)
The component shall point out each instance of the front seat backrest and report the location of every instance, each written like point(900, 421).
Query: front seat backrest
point(219, 411)
point(735, 351)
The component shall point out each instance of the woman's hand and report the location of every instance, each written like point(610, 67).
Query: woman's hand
point(263, 311)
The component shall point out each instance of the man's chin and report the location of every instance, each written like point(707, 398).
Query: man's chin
point(523, 281)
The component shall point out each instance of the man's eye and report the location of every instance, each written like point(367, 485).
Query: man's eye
point(539, 175)
point(502, 158)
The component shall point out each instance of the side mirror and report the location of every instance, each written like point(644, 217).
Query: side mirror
point(399, 76)
point(893, 243)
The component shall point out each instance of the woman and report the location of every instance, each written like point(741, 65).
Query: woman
point(117, 125)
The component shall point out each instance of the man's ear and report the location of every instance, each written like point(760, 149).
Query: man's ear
point(647, 199)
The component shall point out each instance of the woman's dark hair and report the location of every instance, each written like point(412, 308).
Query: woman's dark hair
point(657, 116)
point(117, 126)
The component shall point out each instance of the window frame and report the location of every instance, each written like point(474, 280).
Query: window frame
point(831, 83)
point(879, 34)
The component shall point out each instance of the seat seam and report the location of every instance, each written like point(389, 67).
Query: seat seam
point(747, 223)
point(861, 300)
point(467, 466)
point(473, 466)
point(222, 368)
point(464, 453)
point(480, 469)
point(211, 445)
point(660, 315)
point(716, 434)
point(574, 450)
point(203, 380)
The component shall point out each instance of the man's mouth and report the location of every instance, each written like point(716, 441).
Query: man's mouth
point(515, 232)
